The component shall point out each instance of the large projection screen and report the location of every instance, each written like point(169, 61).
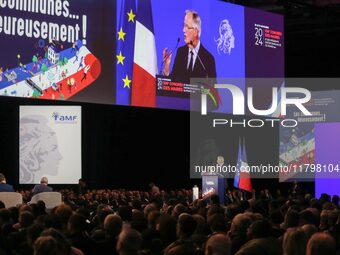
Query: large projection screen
point(50, 144)
point(234, 42)
point(111, 52)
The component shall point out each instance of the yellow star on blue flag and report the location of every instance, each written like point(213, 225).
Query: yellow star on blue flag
point(121, 34)
point(126, 82)
point(131, 16)
point(120, 58)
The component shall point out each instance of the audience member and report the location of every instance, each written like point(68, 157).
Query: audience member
point(129, 242)
point(294, 242)
point(4, 187)
point(320, 244)
point(42, 187)
point(218, 244)
point(134, 222)
point(81, 187)
point(154, 189)
point(184, 245)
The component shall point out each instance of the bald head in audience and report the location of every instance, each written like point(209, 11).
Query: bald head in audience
point(129, 242)
point(321, 243)
point(113, 225)
point(218, 244)
point(46, 245)
point(309, 230)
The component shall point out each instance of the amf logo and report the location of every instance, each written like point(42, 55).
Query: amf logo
point(61, 118)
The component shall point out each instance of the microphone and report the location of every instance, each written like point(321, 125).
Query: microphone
point(199, 58)
point(165, 59)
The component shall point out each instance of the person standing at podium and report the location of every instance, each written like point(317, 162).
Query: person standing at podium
point(192, 60)
point(226, 175)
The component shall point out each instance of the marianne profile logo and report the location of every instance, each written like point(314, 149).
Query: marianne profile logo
point(226, 40)
point(64, 118)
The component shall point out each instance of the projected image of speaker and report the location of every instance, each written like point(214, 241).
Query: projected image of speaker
point(50, 144)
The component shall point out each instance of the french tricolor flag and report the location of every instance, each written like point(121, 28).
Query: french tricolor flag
point(242, 178)
point(145, 59)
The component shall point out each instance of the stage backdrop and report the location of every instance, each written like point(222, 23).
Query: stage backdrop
point(50, 144)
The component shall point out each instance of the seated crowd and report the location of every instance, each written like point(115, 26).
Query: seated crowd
point(136, 222)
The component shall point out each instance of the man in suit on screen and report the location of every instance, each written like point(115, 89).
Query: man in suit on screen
point(192, 60)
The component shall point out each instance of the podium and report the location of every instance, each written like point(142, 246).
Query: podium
point(213, 184)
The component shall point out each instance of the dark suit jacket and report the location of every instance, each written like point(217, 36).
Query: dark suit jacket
point(41, 188)
point(4, 187)
point(179, 70)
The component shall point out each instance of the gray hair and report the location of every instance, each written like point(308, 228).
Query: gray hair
point(196, 21)
point(44, 180)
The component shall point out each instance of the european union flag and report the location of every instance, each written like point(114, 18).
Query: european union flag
point(125, 50)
